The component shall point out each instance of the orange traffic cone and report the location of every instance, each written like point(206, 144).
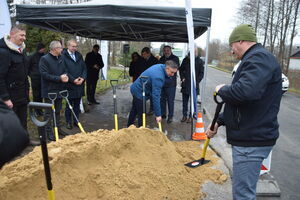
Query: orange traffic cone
point(199, 133)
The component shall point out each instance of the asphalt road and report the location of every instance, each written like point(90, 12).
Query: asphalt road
point(286, 153)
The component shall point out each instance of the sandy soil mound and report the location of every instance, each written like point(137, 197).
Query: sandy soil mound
point(126, 164)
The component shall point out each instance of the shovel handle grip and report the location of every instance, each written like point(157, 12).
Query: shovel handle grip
point(114, 81)
point(218, 110)
point(38, 105)
point(64, 93)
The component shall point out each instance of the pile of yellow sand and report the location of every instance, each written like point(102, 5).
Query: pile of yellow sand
point(126, 164)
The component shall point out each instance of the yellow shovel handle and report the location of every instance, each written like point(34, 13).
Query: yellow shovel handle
point(51, 195)
point(80, 127)
point(56, 133)
point(116, 122)
point(159, 126)
point(144, 120)
point(205, 147)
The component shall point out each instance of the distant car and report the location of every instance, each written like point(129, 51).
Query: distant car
point(285, 80)
point(285, 83)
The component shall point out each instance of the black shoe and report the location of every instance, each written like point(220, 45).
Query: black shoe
point(69, 126)
point(34, 143)
point(184, 118)
point(170, 120)
point(189, 120)
point(164, 116)
point(89, 103)
point(95, 102)
point(62, 133)
point(51, 138)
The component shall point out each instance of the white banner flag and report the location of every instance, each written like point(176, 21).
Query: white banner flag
point(5, 23)
point(190, 29)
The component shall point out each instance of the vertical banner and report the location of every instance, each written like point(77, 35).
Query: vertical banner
point(191, 47)
point(5, 23)
point(104, 53)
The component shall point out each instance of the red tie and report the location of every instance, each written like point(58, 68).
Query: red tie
point(20, 50)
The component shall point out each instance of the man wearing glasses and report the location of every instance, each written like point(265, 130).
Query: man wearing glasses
point(54, 78)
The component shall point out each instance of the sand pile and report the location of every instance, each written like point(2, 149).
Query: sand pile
point(126, 164)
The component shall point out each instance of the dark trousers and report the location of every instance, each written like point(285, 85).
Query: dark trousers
point(136, 110)
point(91, 85)
point(36, 92)
point(75, 103)
point(49, 114)
point(185, 102)
point(21, 112)
point(167, 97)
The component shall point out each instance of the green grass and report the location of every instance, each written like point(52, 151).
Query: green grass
point(294, 90)
point(102, 86)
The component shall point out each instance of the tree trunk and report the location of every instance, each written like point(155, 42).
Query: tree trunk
point(292, 35)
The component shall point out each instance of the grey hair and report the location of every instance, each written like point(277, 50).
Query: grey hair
point(54, 44)
point(172, 64)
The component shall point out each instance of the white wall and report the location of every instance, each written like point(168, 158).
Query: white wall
point(294, 64)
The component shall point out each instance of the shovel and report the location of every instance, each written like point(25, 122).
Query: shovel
point(202, 161)
point(40, 124)
point(115, 102)
point(52, 97)
point(144, 80)
point(65, 94)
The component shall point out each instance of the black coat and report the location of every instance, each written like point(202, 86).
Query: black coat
point(185, 74)
point(75, 70)
point(137, 68)
point(170, 81)
point(14, 83)
point(92, 59)
point(51, 68)
point(33, 66)
point(13, 137)
point(252, 100)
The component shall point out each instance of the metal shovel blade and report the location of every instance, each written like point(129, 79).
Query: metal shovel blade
point(196, 163)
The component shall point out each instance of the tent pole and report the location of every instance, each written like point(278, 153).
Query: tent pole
point(205, 72)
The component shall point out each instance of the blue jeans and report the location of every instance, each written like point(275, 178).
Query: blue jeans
point(75, 103)
point(136, 110)
point(167, 96)
point(246, 168)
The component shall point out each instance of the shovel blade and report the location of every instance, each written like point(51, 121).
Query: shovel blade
point(196, 163)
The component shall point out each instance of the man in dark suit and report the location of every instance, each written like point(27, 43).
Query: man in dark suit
point(94, 63)
point(77, 74)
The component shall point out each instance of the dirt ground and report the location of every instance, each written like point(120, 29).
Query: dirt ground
point(132, 163)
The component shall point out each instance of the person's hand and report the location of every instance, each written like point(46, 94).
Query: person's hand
point(64, 78)
point(209, 133)
point(81, 80)
point(77, 81)
point(9, 103)
point(158, 119)
point(96, 66)
point(218, 87)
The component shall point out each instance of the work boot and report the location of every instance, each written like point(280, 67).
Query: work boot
point(184, 118)
point(51, 137)
point(164, 116)
point(170, 120)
